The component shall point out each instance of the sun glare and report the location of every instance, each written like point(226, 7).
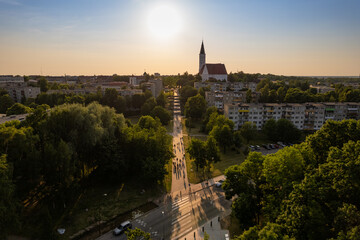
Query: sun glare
point(164, 22)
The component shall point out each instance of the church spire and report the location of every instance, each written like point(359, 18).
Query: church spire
point(202, 50)
point(202, 56)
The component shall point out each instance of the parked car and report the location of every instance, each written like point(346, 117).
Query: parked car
point(257, 147)
point(219, 183)
point(122, 228)
point(266, 146)
point(252, 148)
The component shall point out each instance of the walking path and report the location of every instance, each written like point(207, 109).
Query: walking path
point(179, 175)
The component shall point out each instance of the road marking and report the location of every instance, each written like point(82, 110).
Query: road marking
point(181, 218)
point(180, 200)
point(180, 205)
point(182, 234)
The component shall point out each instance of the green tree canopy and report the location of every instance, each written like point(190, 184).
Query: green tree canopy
point(18, 108)
point(195, 107)
point(162, 114)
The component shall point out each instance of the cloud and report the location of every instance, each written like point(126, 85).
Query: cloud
point(11, 2)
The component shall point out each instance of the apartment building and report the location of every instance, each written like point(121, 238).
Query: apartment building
point(220, 98)
point(22, 92)
point(212, 86)
point(309, 116)
point(11, 79)
point(155, 86)
point(136, 80)
point(226, 86)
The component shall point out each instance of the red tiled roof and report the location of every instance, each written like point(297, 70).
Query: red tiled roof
point(214, 68)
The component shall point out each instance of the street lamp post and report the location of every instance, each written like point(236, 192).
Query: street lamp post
point(163, 213)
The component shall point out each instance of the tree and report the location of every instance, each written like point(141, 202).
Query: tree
point(197, 151)
point(111, 98)
point(162, 114)
point(212, 151)
point(148, 106)
point(269, 128)
point(248, 130)
point(5, 102)
point(206, 236)
point(218, 120)
point(248, 96)
point(238, 139)
point(209, 111)
point(138, 100)
point(195, 107)
point(137, 234)
point(43, 84)
point(18, 108)
point(148, 122)
point(286, 131)
point(161, 100)
point(223, 135)
point(185, 93)
point(8, 204)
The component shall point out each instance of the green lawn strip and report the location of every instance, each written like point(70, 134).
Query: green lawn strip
point(94, 204)
point(170, 127)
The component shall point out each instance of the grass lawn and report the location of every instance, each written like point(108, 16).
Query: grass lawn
point(106, 202)
point(217, 169)
point(134, 119)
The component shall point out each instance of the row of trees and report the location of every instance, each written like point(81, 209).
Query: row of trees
point(300, 92)
point(48, 158)
point(144, 104)
point(307, 191)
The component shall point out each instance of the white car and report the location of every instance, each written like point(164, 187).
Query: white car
point(122, 228)
point(219, 183)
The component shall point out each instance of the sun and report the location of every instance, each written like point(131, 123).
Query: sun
point(164, 22)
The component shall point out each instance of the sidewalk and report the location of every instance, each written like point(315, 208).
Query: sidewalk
point(212, 227)
point(184, 192)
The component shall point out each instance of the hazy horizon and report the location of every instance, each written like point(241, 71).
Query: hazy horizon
point(89, 37)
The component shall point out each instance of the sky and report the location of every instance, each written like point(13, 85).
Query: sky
point(95, 37)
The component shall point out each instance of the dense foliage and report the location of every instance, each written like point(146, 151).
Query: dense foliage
point(307, 191)
point(53, 155)
point(296, 91)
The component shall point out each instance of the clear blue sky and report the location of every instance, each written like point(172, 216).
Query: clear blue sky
point(307, 37)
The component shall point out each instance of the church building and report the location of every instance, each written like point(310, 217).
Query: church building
point(210, 71)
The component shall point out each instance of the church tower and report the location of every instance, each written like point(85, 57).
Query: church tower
point(202, 56)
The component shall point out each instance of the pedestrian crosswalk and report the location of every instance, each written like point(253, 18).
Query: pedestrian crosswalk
point(179, 203)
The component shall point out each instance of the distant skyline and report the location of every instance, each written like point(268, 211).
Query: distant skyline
point(92, 37)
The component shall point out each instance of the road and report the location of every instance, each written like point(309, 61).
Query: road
point(187, 207)
point(180, 215)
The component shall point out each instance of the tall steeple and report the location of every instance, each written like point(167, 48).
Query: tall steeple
point(202, 56)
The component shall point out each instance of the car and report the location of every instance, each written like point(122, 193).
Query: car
point(122, 228)
point(266, 146)
point(219, 183)
point(257, 147)
point(276, 145)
